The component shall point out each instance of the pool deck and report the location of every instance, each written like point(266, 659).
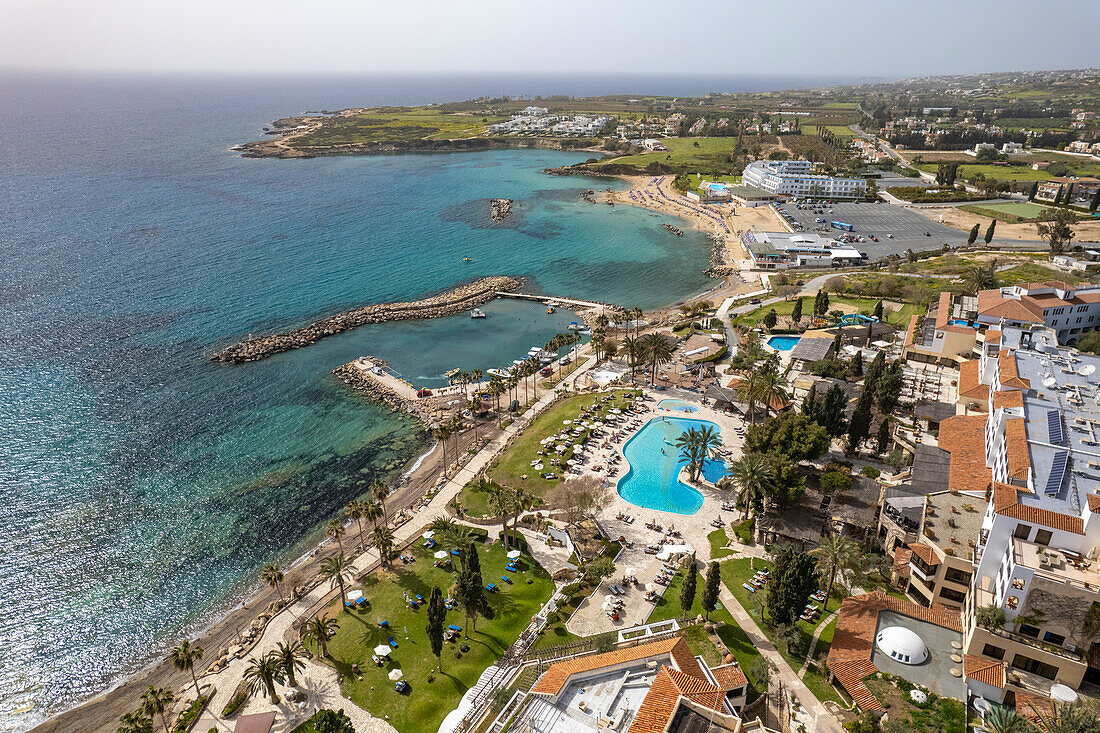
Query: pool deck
point(589, 617)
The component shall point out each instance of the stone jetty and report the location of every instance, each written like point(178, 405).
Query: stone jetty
point(360, 377)
point(450, 303)
point(500, 209)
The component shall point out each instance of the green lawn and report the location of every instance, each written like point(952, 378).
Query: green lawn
point(718, 540)
point(899, 317)
point(737, 572)
point(842, 132)
point(515, 462)
point(1020, 210)
point(424, 707)
point(706, 155)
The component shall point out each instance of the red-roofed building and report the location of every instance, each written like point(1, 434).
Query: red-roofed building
point(1068, 309)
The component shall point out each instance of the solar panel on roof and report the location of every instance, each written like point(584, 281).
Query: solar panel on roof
point(1057, 473)
point(1054, 427)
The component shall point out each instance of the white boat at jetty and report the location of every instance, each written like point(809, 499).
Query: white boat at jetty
point(502, 373)
point(574, 326)
point(477, 313)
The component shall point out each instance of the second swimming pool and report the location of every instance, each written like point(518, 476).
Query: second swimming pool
point(652, 482)
point(783, 343)
point(676, 406)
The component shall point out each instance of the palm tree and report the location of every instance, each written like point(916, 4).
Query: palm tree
point(449, 533)
point(335, 529)
point(752, 474)
point(441, 433)
point(476, 376)
point(1001, 719)
point(496, 389)
point(772, 390)
point(184, 656)
point(835, 553)
point(658, 350)
point(372, 512)
point(748, 391)
point(263, 673)
point(273, 576)
point(380, 491)
point(688, 443)
point(354, 511)
point(290, 658)
point(383, 542)
point(499, 503)
point(981, 278)
point(633, 349)
point(135, 723)
point(521, 502)
point(455, 423)
point(155, 702)
point(318, 629)
point(337, 571)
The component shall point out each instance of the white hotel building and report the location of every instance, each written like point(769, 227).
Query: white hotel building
point(793, 178)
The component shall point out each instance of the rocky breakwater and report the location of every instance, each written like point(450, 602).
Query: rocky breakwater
point(450, 303)
point(500, 209)
point(359, 375)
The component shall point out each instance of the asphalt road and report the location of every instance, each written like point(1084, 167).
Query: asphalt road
point(908, 227)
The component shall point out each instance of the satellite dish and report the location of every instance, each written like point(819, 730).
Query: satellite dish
point(1049, 382)
point(1087, 369)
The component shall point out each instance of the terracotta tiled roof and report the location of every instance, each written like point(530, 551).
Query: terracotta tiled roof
point(993, 336)
point(1007, 398)
point(1094, 502)
point(1036, 708)
point(554, 679)
point(963, 436)
point(991, 304)
point(925, 553)
point(943, 309)
point(1009, 376)
point(911, 332)
point(664, 697)
point(989, 671)
point(969, 384)
point(1006, 503)
point(853, 641)
point(901, 561)
point(1019, 459)
point(730, 676)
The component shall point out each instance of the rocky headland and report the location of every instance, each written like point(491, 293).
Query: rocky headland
point(453, 301)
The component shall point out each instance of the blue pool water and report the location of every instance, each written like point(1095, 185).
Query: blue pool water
point(960, 322)
point(783, 343)
point(676, 406)
point(652, 481)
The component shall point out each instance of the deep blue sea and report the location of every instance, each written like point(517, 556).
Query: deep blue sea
point(141, 485)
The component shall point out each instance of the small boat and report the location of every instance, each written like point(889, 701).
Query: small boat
point(477, 313)
point(549, 310)
point(467, 259)
point(574, 326)
point(502, 373)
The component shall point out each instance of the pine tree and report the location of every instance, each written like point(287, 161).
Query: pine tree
point(710, 589)
point(796, 312)
point(989, 231)
point(687, 589)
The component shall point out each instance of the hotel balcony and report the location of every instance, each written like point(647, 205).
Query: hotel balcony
point(1057, 566)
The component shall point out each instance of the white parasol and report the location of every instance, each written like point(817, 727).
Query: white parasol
point(513, 554)
point(428, 535)
point(566, 422)
point(441, 554)
point(651, 586)
point(382, 650)
point(354, 595)
point(395, 675)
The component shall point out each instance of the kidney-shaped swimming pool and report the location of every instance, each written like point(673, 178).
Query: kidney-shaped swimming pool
point(652, 482)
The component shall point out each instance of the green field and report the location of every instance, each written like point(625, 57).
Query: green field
point(898, 317)
point(396, 124)
point(1008, 212)
point(424, 707)
point(706, 155)
point(842, 132)
point(1014, 172)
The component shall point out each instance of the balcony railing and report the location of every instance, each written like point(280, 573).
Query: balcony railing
point(1042, 646)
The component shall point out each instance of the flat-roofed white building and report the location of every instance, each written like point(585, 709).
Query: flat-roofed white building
point(783, 250)
point(793, 178)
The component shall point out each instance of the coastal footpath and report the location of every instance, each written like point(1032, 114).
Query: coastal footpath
point(454, 301)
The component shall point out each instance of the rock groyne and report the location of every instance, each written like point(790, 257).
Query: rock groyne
point(357, 376)
point(500, 209)
point(449, 303)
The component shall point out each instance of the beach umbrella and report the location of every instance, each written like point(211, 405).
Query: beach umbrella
point(538, 466)
point(441, 554)
point(382, 650)
point(395, 675)
point(428, 535)
point(354, 595)
point(513, 554)
point(607, 606)
point(650, 586)
point(566, 422)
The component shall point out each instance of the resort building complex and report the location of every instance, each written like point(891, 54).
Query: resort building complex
point(782, 250)
point(793, 178)
point(1069, 310)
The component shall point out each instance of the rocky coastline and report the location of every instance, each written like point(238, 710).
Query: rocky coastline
point(281, 144)
point(360, 381)
point(500, 209)
point(449, 303)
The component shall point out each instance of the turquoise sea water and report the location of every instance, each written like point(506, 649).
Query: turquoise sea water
point(141, 485)
point(652, 481)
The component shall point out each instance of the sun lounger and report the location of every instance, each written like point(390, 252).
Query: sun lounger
point(384, 624)
point(506, 579)
point(452, 627)
point(748, 587)
point(393, 642)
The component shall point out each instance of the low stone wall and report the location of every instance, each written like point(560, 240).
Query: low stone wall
point(449, 303)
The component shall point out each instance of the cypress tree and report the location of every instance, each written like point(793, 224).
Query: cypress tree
point(824, 302)
point(829, 413)
point(878, 310)
point(838, 341)
point(856, 367)
point(860, 426)
point(973, 235)
point(882, 440)
point(796, 312)
point(437, 614)
point(1095, 200)
point(989, 231)
point(1034, 190)
point(809, 402)
point(710, 589)
point(687, 590)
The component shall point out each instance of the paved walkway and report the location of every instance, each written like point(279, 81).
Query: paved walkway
point(813, 644)
point(812, 713)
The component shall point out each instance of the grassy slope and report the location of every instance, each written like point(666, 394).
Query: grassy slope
point(899, 317)
point(427, 703)
point(396, 124)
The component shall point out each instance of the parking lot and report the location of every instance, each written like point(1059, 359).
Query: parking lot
point(880, 220)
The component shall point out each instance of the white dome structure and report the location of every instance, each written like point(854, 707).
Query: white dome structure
point(902, 644)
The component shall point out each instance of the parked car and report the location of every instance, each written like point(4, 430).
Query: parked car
point(754, 301)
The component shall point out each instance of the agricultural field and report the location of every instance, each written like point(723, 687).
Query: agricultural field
point(1010, 212)
point(706, 155)
point(842, 132)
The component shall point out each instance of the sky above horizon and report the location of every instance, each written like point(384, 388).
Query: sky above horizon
point(811, 37)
